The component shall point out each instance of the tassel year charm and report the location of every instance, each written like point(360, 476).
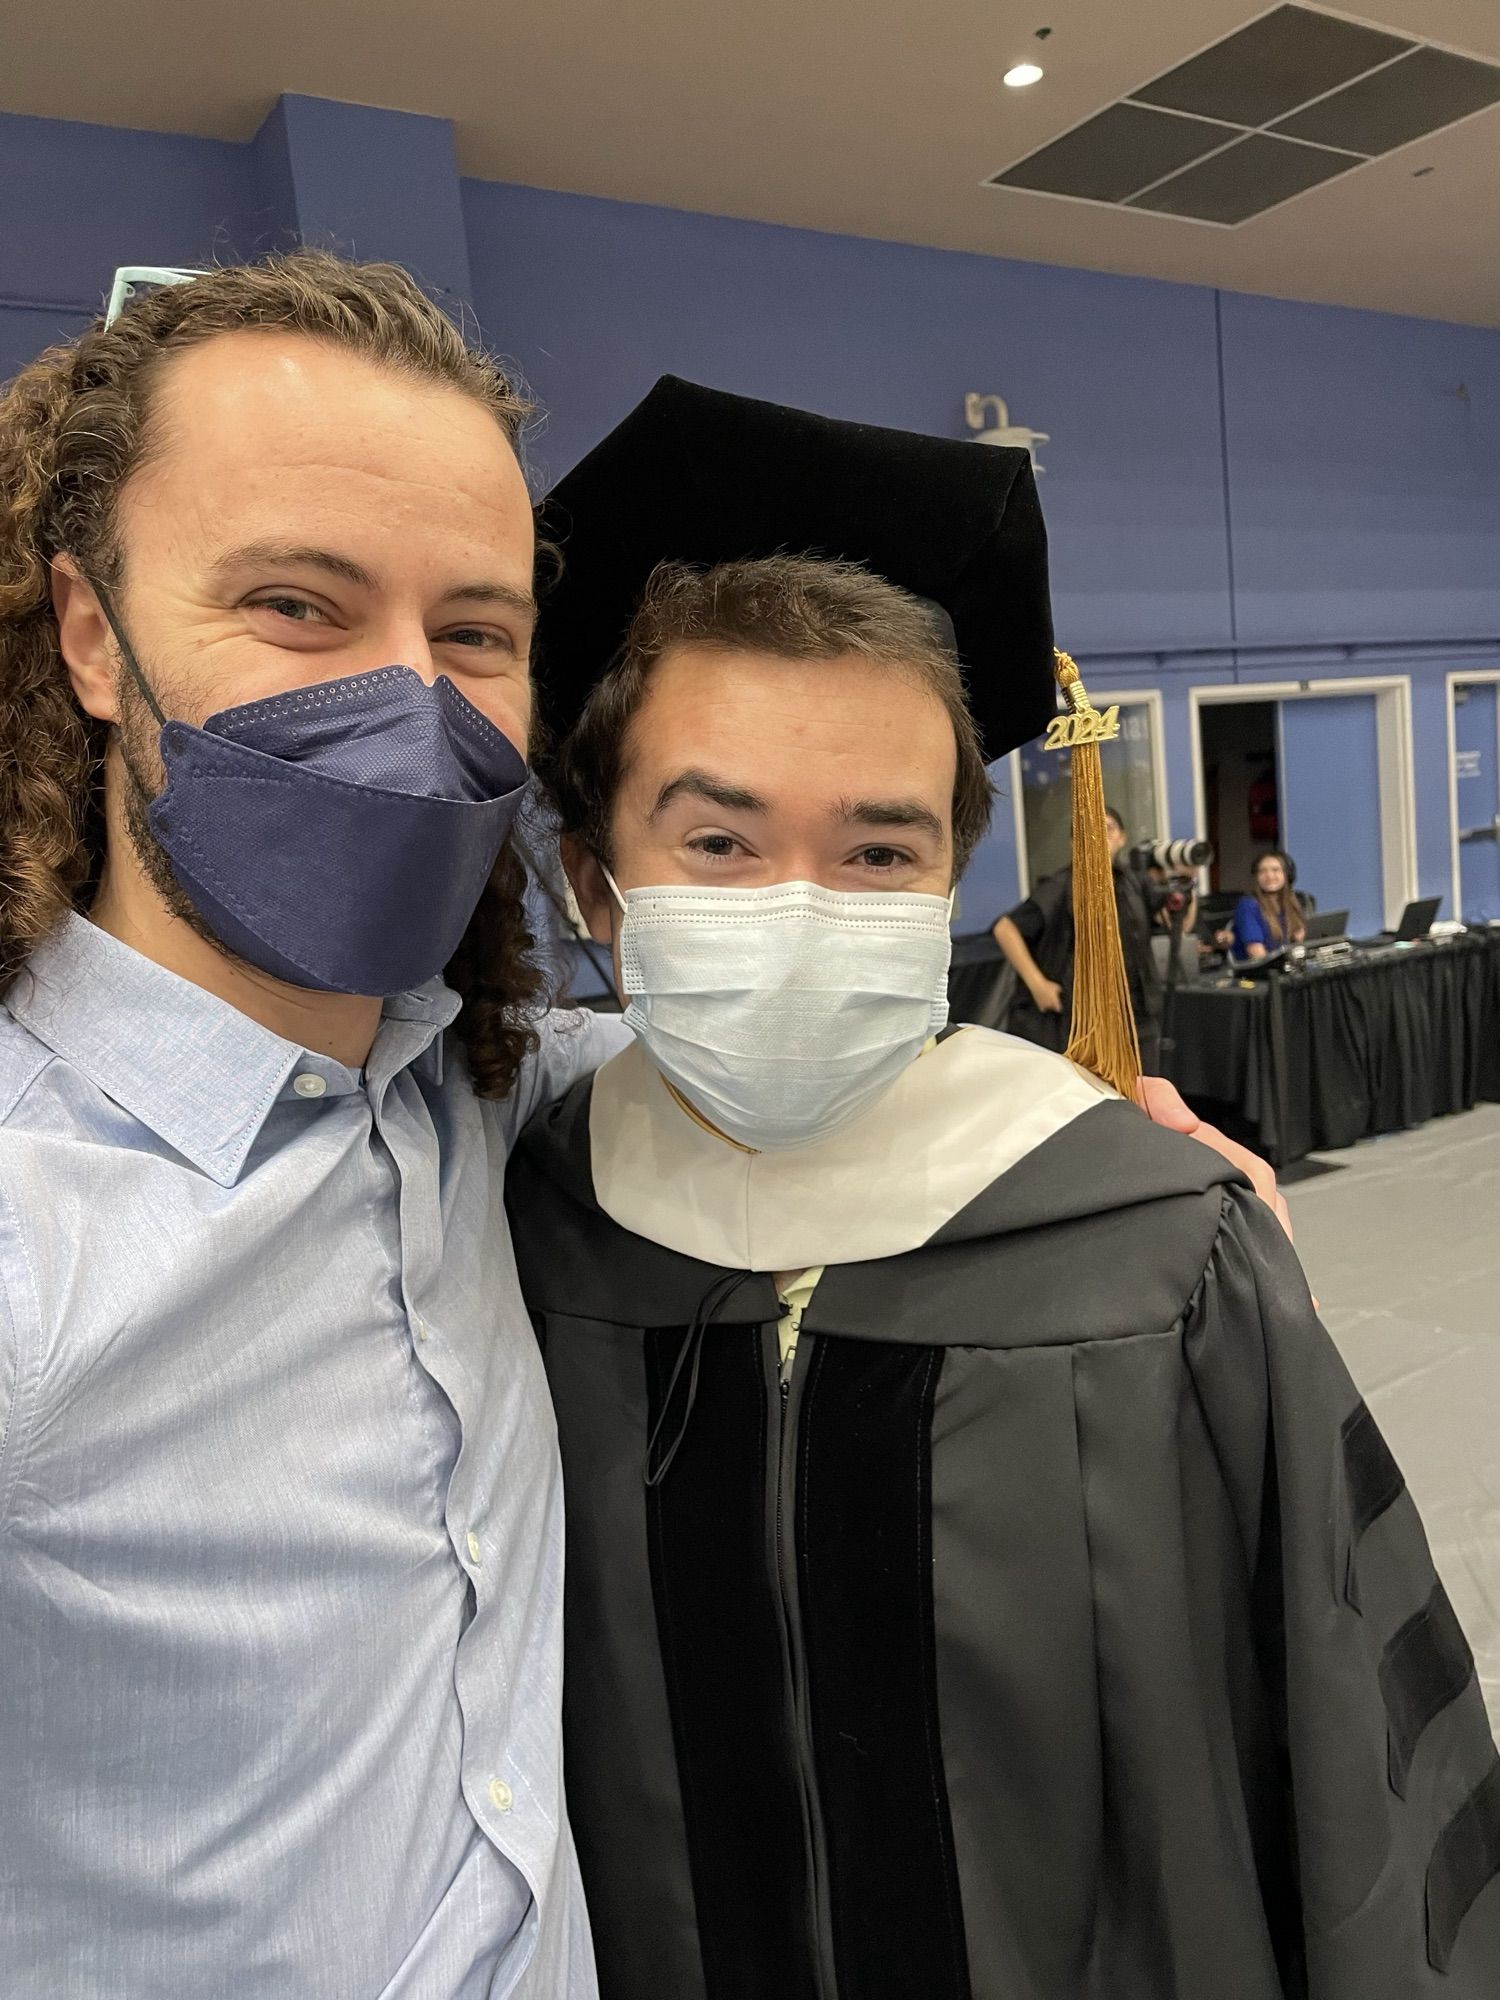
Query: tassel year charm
point(1103, 1038)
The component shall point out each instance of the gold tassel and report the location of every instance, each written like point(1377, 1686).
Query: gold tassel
point(1103, 1038)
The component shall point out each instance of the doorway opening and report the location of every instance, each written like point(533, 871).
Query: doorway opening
point(1241, 788)
point(1337, 774)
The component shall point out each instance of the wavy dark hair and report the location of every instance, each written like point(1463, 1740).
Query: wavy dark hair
point(74, 425)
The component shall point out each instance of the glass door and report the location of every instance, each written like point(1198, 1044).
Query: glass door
point(1476, 796)
point(1132, 785)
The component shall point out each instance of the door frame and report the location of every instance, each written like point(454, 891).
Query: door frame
point(1103, 697)
point(1487, 674)
point(1393, 725)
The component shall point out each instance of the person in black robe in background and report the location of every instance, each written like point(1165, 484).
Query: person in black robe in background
point(1037, 938)
point(984, 1581)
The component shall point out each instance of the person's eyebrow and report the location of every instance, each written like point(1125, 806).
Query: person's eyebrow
point(893, 814)
point(700, 785)
point(492, 593)
point(292, 555)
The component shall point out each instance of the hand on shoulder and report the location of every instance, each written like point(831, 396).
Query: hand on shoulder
point(1164, 1106)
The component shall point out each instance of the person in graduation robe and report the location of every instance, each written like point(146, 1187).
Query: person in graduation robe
point(984, 1581)
point(1037, 939)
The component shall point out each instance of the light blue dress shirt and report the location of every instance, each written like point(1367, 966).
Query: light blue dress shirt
point(280, 1510)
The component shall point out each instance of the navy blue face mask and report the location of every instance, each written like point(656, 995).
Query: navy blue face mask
point(338, 837)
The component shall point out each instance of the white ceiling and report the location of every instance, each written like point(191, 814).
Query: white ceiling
point(875, 117)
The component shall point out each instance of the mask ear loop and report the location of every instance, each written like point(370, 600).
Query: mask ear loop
point(127, 653)
point(591, 951)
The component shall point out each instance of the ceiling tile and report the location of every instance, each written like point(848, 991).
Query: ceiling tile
point(1272, 66)
point(1114, 154)
point(1256, 174)
point(1420, 94)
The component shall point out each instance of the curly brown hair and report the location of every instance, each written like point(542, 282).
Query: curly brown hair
point(799, 607)
point(74, 425)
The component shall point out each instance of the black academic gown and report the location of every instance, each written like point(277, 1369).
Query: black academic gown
point(1062, 1631)
point(1045, 921)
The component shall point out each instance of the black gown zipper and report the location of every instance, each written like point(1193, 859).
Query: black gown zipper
point(786, 1400)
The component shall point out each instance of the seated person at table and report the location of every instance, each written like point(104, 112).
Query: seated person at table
point(983, 1579)
point(1271, 918)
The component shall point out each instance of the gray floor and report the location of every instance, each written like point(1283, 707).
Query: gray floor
point(1402, 1248)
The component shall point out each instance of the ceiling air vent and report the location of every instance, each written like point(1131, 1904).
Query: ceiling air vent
point(1295, 98)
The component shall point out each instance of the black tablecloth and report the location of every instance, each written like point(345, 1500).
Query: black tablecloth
point(1321, 1055)
point(1333, 1052)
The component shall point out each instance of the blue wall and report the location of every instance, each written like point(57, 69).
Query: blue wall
point(596, 299)
point(1236, 488)
point(1225, 474)
point(76, 200)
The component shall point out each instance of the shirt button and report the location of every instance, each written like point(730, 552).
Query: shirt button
point(474, 1548)
point(500, 1795)
point(308, 1085)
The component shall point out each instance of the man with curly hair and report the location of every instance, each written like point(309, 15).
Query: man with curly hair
point(279, 1500)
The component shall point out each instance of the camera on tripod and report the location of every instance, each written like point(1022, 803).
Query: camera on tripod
point(1172, 857)
point(1167, 870)
point(1176, 860)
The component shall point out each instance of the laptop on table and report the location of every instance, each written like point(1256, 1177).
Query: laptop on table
point(1324, 927)
point(1416, 922)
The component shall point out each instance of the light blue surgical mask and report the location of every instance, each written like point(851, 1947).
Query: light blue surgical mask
point(782, 1013)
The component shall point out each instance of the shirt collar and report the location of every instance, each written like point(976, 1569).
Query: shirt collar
point(202, 1075)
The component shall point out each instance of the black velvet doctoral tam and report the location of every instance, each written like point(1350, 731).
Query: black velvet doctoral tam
point(698, 476)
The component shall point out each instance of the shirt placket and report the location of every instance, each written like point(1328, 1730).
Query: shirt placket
point(404, 1124)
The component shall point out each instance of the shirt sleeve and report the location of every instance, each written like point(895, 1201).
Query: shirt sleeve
point(1029, 921)
point(1249, 926)
point(1050, 900)
point(574, 1041)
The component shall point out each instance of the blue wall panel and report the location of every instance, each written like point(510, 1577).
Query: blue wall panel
point(402, 205)
point(992, 881)
point(1364, 474)
point(78, 200)
point(595, 299)
point(1330, 804)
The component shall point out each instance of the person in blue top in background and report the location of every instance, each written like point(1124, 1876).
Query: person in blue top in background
point(1271, 918)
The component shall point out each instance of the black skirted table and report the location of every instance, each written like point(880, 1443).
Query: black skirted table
point(1322, 1054)
point(1338, 1050)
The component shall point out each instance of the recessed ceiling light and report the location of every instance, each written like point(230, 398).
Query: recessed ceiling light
point(1022, 74)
